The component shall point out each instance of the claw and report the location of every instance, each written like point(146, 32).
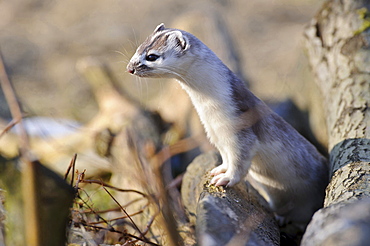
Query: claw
point(220, 180)
point(225, 179)
point(214, 180)
point(218, 170)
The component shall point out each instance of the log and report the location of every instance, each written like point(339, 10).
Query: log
point(338, 41)
point(225, 216)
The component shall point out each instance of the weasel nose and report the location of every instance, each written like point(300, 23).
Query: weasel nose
point(130, 68)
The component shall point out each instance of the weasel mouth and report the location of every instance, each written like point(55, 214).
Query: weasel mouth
point(138, 73)
point(138, 70)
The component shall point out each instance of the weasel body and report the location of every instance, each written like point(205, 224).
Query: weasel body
point(282, 165)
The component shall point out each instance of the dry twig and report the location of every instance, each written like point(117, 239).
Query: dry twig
point(80, 216)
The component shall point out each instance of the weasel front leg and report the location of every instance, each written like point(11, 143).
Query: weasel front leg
point(236, 160)
point(231, 171)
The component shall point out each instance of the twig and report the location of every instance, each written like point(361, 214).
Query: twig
point(117, 208)
point(179, 147)
point(12, 123)
point(90, 181)
point(128, 216)
point(102, 220)
point(175, 182)
point(14, 107)
point(118, 218)
point(80, 178)
point(87, 205)
point(72, 166)
point(87, 236)
point(149, 224)
point(116, 231)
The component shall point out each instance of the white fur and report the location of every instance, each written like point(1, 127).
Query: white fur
point(211, 99)
point(205, 78)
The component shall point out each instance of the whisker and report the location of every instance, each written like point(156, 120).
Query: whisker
point(121, 53)
point(147, 92)
point(135, 37)
point(124, 62)
point(161, 89)
point(140, 87)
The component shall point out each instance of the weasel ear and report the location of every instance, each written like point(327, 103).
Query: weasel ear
point(179, 40)
point(159, 28)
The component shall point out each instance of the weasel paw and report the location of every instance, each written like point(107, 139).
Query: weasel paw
point(224, 179)
point(218, 170)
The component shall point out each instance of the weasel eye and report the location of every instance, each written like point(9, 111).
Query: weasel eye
point(151, 57)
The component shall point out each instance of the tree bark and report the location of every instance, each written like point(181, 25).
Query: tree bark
point(225, 216)
point(338, 42)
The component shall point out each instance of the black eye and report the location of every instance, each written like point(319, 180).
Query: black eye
point(151, 57)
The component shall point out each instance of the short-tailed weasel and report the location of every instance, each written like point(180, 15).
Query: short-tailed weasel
point(282, 165)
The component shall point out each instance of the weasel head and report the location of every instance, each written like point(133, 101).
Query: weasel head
point(162, 54)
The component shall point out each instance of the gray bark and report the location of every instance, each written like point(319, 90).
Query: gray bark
point(338, 42)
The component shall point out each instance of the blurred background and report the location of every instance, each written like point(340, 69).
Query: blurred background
point(41, 41)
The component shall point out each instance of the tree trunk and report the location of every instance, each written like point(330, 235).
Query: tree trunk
point(338, 42)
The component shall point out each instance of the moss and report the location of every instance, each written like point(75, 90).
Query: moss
point(365, 16)
point(10, 183)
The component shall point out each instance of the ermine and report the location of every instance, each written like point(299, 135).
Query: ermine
point(283, 166)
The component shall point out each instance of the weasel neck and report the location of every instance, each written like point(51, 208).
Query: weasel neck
point(207, 80)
